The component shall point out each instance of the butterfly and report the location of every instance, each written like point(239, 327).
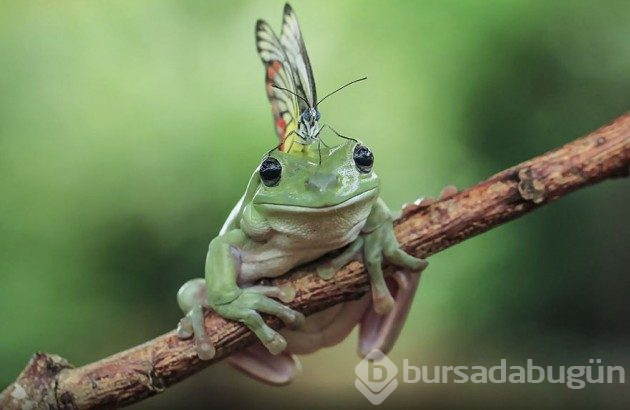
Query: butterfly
point(290, 84)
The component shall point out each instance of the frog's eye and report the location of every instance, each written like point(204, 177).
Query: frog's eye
point(270, 171)
point(363, 158)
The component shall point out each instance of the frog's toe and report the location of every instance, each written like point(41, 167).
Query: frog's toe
point(402, 259)
point(326, 271)
point(184, 328)
point(290, 317)
point(297, 321)
point(418, 205)
point(448, 192)
point(276, 344)
point(284, 292)
point(416, 265)
point(205, 348)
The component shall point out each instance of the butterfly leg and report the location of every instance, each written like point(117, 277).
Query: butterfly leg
point(319, 132)
point(294, 132)
point(319, 150)
point(337, 134)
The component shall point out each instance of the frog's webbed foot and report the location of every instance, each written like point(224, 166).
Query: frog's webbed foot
point(381, 244)
point(192, 298)
point(245, 309)
point(193, 325)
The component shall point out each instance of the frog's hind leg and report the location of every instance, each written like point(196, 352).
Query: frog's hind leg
point(326, 328)
point(256, 362)
point(381, 331)
point(191, 298)
point(323, 329)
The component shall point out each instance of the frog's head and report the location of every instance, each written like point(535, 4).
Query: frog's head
point(343, 177)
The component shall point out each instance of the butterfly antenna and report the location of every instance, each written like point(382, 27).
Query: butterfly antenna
point(291, 92)
point(339, 89)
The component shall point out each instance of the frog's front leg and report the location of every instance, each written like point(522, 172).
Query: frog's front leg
point(328, 269)
point(231, 302)
point(380, 243)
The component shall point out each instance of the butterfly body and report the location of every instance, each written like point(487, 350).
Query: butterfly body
point(309, 125)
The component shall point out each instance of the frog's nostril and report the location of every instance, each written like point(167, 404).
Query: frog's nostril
point(320, 182)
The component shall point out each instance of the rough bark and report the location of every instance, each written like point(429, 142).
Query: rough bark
point(49, 381)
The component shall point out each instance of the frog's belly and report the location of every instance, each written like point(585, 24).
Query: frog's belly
point(299, 239)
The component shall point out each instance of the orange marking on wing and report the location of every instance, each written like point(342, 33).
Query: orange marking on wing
point(273, 69)
point(281, 124)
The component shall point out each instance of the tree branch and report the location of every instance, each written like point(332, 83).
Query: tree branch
point(130, 376)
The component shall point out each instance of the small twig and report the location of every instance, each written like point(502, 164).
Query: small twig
point(49, 381)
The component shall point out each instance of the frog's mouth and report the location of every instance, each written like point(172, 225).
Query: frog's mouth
point(364, 196)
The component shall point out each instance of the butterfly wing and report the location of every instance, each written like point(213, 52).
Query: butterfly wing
point(284, 105)
point(293, 44)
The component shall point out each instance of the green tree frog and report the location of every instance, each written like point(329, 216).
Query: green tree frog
point(296, 208)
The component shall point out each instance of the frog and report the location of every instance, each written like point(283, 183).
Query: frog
point(298, 207)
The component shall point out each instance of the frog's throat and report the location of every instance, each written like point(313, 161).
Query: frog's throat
point(298, 208)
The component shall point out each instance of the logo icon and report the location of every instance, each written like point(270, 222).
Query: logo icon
point(376, 377)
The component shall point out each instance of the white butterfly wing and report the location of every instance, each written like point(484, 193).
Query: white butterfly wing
point(284, 106)
point(293, 44)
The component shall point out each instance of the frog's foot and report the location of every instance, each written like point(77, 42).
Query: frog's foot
point(245, 309)
point(328, 269)
point(379, 244)
point(184, 328)
point(285, 293)
point(191, 298)
point(257, 362)
point(381, 331)
point(447, 192)
point(205, 348)
point(192, 325)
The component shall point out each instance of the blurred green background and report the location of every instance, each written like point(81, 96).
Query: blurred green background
point(129, 129)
